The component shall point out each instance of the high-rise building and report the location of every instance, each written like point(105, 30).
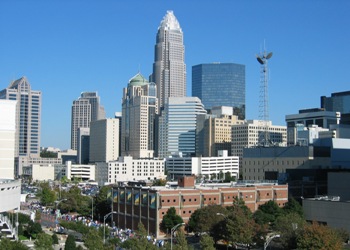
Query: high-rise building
point(177, 126)
point(104, 140)
point(247, 136)
point(84, 110)
point(214, 131)
point(220, 84)
point(139, 108)
point(169, 69)
point(83, 147)
point(28, 117)
point(338, 102)
point(7, 138)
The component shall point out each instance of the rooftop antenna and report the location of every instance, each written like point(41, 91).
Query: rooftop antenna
point(264, 138)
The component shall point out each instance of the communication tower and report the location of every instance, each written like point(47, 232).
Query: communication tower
point(264, 137)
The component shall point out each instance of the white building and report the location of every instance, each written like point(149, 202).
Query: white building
point(7, 138)
point(177, 126)
point(169, 69)
point(139, 108)
point(180, 166)
point(129, 169)
point(104, 140)
point(247, 136)
point(78, 171)
point(10, 195)
point(40, 172)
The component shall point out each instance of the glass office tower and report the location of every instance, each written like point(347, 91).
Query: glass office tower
point(338, 102)
point(220, 84)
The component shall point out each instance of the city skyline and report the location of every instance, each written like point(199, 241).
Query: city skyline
point(65, 48)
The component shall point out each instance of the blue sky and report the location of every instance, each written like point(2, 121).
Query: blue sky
point(65, 47)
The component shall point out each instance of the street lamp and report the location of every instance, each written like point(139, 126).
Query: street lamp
point(269, 239)
point(171, 234)
point(104, 225)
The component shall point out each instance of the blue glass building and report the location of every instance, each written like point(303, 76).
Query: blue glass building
point(220, 84)
point(338, 102)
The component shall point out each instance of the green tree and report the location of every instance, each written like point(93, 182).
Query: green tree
point(181, 242)
point(267, 213)
point(43, 242)
point(93, 240)
point(229, 177)
point(293, 206)
point(46, 194)
point(316, 236)
point(203, 219)
point(207, 242)
point(12, 245)
point(289, 226)
point(103, 202)
point(170, 220)
point(33, 229)
point(159, 182)
point(70, 243)
point(48, 154)
point(54, 239)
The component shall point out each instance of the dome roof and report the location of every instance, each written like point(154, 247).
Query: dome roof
point(138, 80)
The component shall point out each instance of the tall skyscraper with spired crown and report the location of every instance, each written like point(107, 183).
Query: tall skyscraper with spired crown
point(169, 69)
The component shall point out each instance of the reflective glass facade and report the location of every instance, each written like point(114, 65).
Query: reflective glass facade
point(338, 102)
point(220, 84)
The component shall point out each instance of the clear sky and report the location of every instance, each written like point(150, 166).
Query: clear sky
point(65, 47)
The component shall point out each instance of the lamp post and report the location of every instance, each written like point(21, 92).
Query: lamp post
point(171, 234)
point(269, 239)
point(104, 225)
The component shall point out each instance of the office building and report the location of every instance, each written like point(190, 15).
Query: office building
point(214, 131)
point(104, 140)
point(247, 135)
point(83, 147)
point(169, 69)
point(308, 118)
point(220, 84)
point(28, 116)
point(128, 169)
point(338, 102)
point(177, 126)
point(149, 205)
point(84, 110)
point(7, 138)
point(139, 108)
point(208, 167)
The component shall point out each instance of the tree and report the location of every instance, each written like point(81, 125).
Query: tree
point(289, 226)
point(103, 202)
point(170, 220)
point(93, 240)
point(316, 236)
point(203, 219)
point(207, 242)
point(47, 196)
point(159, 182)
point(33, 228)
point(293, 206)
point(48, 154)
point(54, 239)
point(268, 213)
point(43, 242)
point(70, 243)
point(12, 245)
point(181, 242)
point(229, 177)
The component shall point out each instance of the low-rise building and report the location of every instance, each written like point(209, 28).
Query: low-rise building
point(149, 205)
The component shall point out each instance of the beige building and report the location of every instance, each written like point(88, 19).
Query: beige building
point(214, 131)
point(247, 136)
point(104, 140)
point(139, 108)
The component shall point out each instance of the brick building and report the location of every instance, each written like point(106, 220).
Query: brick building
point(149, 205)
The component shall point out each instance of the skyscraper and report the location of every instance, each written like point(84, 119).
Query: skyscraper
point(28, 117)
point(139, 108)
point(177, 126)
point(220, 84)
point(84, 110)
point(338, 102)
point(169, 69)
